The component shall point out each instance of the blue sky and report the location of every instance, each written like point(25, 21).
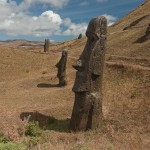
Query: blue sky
point(58, 20)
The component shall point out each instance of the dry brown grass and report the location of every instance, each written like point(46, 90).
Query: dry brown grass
point(28, 85)
point(126, 102)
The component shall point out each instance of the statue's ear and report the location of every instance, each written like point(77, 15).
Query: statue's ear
point(96, 65)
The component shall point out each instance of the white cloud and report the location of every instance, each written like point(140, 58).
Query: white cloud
point(3, 1)
point(16, 21)
point(101, 0)
point(84, 3)
point(56, 3)
point(74, 29)
point(52, 17)
point(46, 24)
point(110, 19)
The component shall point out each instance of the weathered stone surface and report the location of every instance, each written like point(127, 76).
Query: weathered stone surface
point(46, 45)
point(61, 65)
point(87, 110)
point(80, 36)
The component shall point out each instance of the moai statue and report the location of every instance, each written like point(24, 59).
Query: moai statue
point(80, 36)
point(87, 110)
point(61, 65)
point(46, 45)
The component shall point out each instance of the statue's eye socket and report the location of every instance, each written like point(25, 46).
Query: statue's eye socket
point(92, 36)
point(88, 34)
point(92, 39)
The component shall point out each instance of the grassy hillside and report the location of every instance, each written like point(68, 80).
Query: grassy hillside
point(28, 91)
point(124, 41)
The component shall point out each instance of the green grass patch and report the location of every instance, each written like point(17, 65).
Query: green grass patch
point(33, 129)
point(13, 146)
point(34, 141)
point(3, 139)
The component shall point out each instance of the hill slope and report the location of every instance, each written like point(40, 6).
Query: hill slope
point(124, 34)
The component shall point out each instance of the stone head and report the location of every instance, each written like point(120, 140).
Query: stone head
point(94, 30)
point(64, 53)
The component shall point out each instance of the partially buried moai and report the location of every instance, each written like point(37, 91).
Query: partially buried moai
point(87, 110)
point(61, 65)
point(46, 45)
point(80, 36)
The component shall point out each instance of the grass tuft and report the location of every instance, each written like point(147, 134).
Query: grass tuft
point(33, 129)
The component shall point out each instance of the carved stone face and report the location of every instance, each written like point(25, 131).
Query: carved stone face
point(64, 53)
point(94, 30)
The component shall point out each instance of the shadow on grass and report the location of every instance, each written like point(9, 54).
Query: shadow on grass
point(141, 39)
point(45, 85)
point(46, 122)
point(36, 52)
